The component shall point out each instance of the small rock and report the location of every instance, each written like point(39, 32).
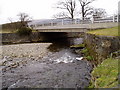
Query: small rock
point(79, 58)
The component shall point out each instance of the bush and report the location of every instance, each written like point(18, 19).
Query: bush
point(24, 31)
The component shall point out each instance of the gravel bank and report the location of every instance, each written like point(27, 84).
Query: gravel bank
point(25, 50)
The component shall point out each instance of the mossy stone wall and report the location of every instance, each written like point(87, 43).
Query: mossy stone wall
point(100, 47)
point(15, 38)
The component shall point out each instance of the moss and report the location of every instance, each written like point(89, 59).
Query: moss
point(87, 55)
point(78, 46)
point(105, 75)
point(85, 51)
point(89, 58)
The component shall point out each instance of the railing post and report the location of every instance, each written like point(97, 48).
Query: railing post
point(92, 19)
point(118, 18)
point(75, 21)
point(43, 24)
point(35, 25)
point(62, 21)
point(113, 18)
point(51, 23)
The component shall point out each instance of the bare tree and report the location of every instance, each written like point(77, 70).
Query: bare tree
point(68, 5)
point(86, 9)
point(13, 25)
point(24, 19)
point(61, 15)
point(99, 12)
point(10, 19)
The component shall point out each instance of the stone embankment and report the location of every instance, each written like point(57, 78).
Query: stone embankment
point(100, 47)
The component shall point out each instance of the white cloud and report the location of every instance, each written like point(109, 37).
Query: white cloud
point(41, 9)
point(111, 6)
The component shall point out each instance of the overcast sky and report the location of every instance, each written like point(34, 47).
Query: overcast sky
point(44, 9)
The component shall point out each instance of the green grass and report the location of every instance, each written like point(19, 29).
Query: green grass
point(106, 74)
point(105, 32)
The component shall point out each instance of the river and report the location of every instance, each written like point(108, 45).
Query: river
point(59, 69)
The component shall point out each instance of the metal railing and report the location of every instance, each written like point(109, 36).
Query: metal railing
point(57, 22)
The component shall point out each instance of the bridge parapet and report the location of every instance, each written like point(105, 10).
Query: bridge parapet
point(76, 27)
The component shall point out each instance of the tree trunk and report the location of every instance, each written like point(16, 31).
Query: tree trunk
point(83, 13)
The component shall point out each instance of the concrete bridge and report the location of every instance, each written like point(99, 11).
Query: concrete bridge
point(75, 27)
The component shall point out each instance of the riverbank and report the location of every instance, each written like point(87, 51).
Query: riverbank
point(105, 74)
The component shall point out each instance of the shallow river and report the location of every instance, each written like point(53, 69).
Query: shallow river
point(59, 69)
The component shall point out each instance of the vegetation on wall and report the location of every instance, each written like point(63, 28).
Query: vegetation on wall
point(24, 31)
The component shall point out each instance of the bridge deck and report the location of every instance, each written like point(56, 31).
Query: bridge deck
point(75, 27)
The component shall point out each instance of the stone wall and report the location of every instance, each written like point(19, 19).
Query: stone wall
point(15, 38)
point(8, 38)
point(101, 46)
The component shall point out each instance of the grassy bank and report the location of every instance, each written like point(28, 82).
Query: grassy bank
point(105, 75)
point(11, 31)
point(106, 32)
point(7, 31)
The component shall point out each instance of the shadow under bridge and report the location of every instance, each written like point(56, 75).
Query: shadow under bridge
point(52, 36)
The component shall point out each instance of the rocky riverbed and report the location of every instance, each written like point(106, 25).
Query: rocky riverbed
point(50, 70)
